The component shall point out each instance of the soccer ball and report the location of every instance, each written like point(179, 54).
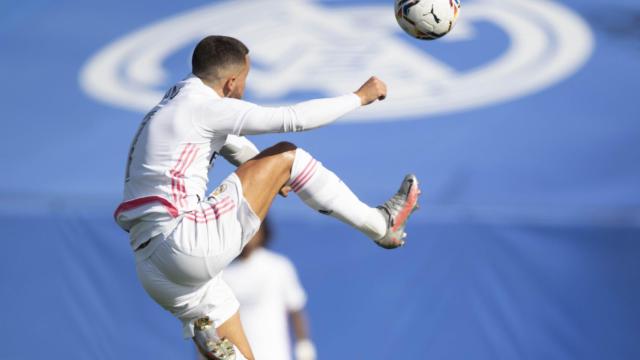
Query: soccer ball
point(427, 19)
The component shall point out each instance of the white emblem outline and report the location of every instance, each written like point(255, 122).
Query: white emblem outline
point(548, 43)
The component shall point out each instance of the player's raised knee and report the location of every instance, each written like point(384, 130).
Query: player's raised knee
point(284, 150)
point(284, 146)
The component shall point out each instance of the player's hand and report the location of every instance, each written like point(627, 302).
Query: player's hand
point(372, 90)
point(284, 192)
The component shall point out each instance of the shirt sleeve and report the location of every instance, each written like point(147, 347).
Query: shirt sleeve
point(294, 295)
point(238, 117)
point(238, 149)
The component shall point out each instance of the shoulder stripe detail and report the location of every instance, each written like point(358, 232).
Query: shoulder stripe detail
point(178, 188)
point(174, 171)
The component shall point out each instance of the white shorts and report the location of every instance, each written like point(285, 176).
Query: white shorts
point(183, 272)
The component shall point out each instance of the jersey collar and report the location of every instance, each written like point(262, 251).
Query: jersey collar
point(200, 86)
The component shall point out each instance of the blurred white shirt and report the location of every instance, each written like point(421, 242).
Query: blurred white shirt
point(266, 285)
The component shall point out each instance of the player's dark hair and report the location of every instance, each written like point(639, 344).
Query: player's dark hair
point(214, 53)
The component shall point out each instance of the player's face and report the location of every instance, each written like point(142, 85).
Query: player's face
point(237, 91)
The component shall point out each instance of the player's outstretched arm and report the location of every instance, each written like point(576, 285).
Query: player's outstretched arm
point(240, 117)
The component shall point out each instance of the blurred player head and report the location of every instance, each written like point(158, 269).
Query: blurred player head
point(260, 239)
point(222, 62)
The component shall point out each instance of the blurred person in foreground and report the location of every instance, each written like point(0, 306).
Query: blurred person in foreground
point(271, 300)
point(183, 238)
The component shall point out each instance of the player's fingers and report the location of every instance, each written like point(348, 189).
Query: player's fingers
point(373, 89)
point(374, 81)
point(382, 91)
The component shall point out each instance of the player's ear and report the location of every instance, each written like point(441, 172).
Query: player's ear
point(229, 85)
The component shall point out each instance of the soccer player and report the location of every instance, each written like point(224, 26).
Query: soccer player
point(182, 238)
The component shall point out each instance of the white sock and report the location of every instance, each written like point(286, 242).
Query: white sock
point(323, 191)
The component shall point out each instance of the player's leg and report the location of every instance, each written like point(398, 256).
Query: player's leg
point(182, 277)
point(218, 343)
point(232, 330)
point(285, 164)
point(263, 176)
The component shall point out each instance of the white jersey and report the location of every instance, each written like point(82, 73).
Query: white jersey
point(176, 144)
point(267, 286)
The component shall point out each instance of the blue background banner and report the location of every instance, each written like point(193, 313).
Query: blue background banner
point(528, 240)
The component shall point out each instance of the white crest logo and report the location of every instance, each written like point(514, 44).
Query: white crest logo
point(301, 46)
